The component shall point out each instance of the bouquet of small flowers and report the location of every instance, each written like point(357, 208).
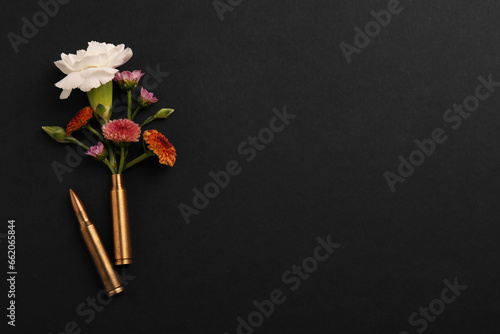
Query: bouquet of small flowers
point(93, 71)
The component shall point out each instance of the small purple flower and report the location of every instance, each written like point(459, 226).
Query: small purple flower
point(97, 151)
point(128, 80)
point(146, 98)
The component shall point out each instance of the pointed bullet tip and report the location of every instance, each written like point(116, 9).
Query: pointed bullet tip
point(78, 208)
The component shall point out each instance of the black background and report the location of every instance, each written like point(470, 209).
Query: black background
point(322, 175)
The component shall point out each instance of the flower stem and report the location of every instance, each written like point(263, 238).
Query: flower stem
point(112, 158)
point(135, 112)
point(79, 143)
point(122, 159)
point(94, 131)
point(106, 161)
point(129, 104)
point(143, 156)
point(148, 120)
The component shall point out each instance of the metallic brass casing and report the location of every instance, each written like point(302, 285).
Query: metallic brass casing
point(109, 277)
point(121, 226)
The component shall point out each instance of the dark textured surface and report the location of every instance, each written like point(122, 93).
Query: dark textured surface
point(322, 175)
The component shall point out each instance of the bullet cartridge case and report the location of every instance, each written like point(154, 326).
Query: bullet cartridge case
point(102, 262)
point(121, 226)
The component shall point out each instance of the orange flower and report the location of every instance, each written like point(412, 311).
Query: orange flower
point(160, 145)
point(79, 120)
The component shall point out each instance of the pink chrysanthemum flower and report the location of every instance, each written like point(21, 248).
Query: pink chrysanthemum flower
point(128, 80)
point(121, 131)
point(146, 98)
point(97, 151)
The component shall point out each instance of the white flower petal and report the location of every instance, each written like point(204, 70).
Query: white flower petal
point(94, 77)
point(110, 47)
point(65, 94)
point(92, 62)
point(63, 66)
point(96, 48)
point(72, 80)
point(80, 54)
point(113, 53)
point(122, 58)
point(68, 58)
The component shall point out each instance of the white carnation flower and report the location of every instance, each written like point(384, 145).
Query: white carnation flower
point(92, 67)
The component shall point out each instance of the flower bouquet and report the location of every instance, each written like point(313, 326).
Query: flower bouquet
point(93, 71)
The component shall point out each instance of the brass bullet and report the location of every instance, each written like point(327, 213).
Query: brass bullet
point(109, 277)
point(121, 225)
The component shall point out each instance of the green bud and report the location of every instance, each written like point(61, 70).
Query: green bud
point(102, 95)
point(163, 113)
point(57, 133)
